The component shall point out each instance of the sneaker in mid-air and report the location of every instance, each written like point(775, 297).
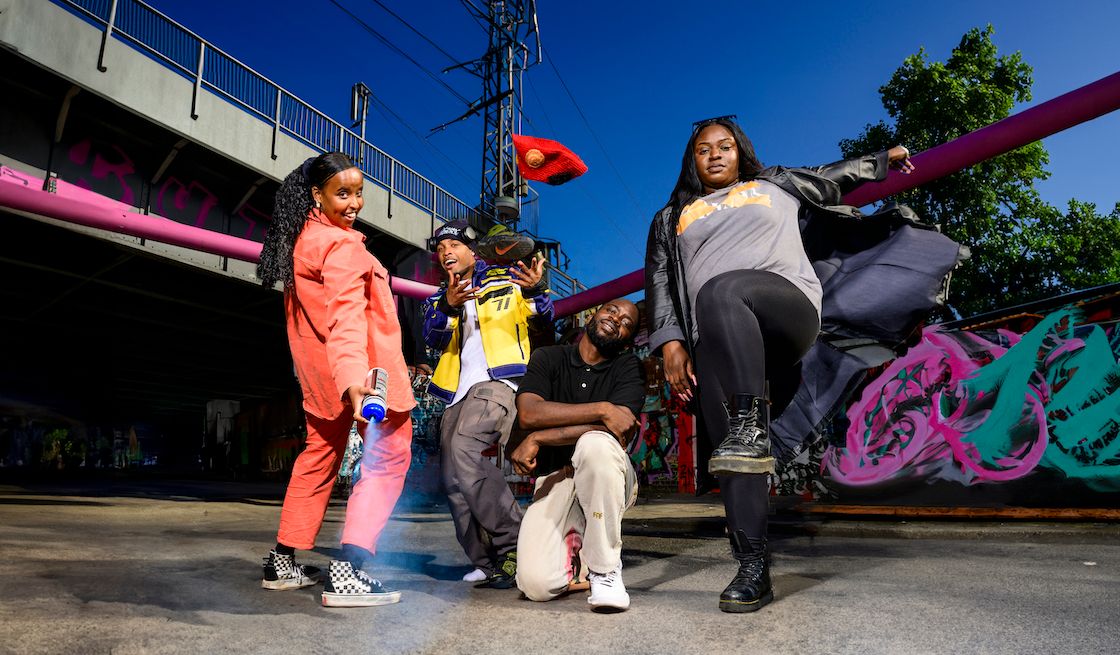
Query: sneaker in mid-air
point(504, 247)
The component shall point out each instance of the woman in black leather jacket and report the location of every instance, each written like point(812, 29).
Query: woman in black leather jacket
point(735, 304)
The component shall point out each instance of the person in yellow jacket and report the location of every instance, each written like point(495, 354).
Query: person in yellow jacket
point(480, 323)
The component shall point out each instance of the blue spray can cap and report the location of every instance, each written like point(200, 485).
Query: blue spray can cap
point(372, 411)
point(373, 405)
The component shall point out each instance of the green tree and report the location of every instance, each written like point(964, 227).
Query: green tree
point(1078, 249)
point(1022, 248)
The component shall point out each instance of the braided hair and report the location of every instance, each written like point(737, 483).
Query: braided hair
point(293, 203)
point(688, 187)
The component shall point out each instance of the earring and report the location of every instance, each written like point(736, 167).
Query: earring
point(318, 205)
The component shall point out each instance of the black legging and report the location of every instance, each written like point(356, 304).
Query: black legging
point(753, 326)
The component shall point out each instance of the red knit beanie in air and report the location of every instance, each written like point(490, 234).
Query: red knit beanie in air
point(543, 160)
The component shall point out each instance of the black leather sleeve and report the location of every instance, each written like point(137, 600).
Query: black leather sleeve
point(663, 323)
point(849, 174)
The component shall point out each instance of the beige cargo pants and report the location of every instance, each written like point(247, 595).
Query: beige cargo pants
point(575, 519)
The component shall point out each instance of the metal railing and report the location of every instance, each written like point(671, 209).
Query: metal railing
point(562, 284)
point(184, 52)
point(188, 54)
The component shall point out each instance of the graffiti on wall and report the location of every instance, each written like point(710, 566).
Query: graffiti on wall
point(990, 407)
point(653, 451)
point(424, 470)
point(108, 170)
point(49, 444)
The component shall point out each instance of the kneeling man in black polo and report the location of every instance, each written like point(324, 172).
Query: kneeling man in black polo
point(577, 406)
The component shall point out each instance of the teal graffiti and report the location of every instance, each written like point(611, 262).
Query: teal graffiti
point(994, 408)
point(653, 450)
point(1083, 412)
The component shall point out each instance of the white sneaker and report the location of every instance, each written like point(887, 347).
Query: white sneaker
point(477, 575)
point(608, 594)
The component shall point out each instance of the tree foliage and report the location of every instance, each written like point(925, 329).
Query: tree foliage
point(1022, 248)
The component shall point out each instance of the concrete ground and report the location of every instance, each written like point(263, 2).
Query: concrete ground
point(175, 568)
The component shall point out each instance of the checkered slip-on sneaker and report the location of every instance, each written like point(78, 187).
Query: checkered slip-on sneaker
point(282, 572)
point(350, 587)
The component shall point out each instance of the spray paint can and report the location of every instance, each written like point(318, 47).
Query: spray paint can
point(373, 405)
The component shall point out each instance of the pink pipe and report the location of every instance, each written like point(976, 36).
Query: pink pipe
point(411, 288)
point(600, 294)
point(1050, 117)
point(30, 198)
point(22, 192)
point(1061, 113)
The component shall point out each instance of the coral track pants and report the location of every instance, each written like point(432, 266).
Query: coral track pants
point(386, 453)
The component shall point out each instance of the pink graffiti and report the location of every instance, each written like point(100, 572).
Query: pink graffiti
point(915, 419)
point(183, 194)
point(1019, 462)
point(253, 216)
point(103, 168)
point(176, 199)
point(657, 439)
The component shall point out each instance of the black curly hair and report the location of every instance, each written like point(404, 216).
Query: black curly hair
point(688, 187)
point(293, 202)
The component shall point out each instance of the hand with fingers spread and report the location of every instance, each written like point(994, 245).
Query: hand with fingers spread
point(459, 290)
point(678, 369)
point(898, 158)
point(529, 276)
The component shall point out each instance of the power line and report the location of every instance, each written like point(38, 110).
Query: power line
point(622, 182)
point(628, 237)
point(386, 115)
point(394, 48)
point(414, 30)
point(420, 137)
point(540, 103)
point(474, 12)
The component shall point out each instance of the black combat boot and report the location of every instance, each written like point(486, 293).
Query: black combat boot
point(746, 449)
point(750, 589)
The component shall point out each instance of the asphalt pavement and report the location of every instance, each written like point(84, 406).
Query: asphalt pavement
point(174, 567)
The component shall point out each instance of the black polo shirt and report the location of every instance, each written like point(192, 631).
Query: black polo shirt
point(559, 374)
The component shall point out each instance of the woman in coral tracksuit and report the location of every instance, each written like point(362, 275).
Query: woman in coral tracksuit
point(341, 321)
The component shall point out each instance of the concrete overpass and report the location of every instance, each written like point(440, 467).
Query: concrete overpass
point(104, 331)
point(163, 74)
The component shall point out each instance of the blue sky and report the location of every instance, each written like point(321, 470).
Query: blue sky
point(800, 76)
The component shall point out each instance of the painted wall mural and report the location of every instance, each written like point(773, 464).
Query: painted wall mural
point(653, 452)
point(109, 170)
point(991, 407)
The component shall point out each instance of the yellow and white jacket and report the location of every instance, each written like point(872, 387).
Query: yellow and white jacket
point(504, 310)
